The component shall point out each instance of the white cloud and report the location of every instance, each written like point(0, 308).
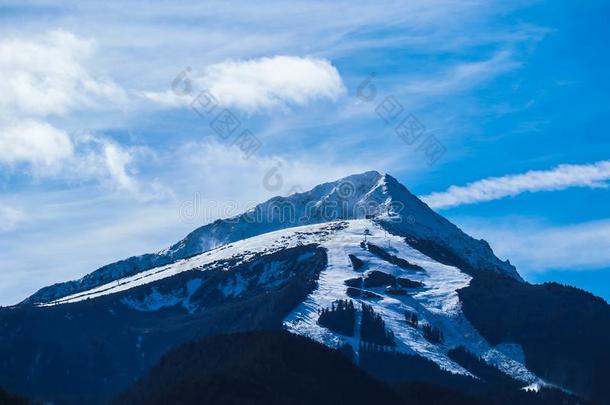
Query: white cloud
point(537, 247)
point(112, 165)
point(49, 152)
point(49, 75)
point(167, 98)
point(36, 143)
point(264, 83)
point(270, 82)
point(117, 160)
point(563, 176)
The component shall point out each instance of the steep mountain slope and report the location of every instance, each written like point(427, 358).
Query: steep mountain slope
point(353, 197)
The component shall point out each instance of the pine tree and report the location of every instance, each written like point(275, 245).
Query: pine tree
point(411, 318)
point(432, 334)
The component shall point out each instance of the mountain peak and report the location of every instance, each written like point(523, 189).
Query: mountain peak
point(364, 176)
point(372, 195)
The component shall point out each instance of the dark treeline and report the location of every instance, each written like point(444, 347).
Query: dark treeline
point(340, 318)
point(373, 328)
point(432, 334)
point(411, 318)
point(258, 368)
point(10, 399)
point(563, 330)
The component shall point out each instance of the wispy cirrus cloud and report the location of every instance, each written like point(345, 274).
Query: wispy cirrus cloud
point(46, 152)
point(564, 176)
point(464, 75)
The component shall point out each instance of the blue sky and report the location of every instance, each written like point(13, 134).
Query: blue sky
point(100, 156)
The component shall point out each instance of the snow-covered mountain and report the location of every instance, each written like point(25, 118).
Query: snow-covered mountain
point(435, 301)
point(353, 197)
point(360, 264)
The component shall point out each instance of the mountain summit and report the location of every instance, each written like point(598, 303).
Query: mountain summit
point(365, 195)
